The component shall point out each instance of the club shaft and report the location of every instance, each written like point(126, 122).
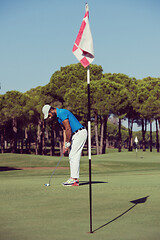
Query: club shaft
point(55, 169)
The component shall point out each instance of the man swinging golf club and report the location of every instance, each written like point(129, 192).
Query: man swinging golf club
point(74, 136)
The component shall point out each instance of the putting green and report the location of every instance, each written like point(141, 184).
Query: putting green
point(30, 211)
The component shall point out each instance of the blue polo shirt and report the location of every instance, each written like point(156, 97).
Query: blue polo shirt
point(63, 114)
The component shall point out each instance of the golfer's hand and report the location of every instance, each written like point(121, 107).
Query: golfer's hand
point(65, 150)
point(66, 147)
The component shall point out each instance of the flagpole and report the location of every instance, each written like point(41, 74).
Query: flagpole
point(89, 148)
point(84, 52)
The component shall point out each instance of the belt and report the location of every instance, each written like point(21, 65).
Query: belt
point(78, 130)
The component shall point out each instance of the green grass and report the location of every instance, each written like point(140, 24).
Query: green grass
point(30, 211)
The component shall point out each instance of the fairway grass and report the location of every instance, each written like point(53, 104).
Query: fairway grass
point(30, 211)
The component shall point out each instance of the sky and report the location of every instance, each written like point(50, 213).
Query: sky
point(37, 36)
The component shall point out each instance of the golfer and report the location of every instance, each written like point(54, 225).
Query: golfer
point(74, 136)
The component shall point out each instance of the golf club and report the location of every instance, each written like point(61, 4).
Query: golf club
point(49, 184)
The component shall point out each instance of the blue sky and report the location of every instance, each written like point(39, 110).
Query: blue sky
point(37, 36)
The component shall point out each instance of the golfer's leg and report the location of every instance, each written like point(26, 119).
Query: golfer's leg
point(78, 142)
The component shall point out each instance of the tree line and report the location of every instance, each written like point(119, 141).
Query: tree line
point(22, 127)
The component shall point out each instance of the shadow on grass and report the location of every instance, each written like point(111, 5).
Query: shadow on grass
point(82, 183)
point(135, 202)
point(2, 169)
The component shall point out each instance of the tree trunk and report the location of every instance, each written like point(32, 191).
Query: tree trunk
point(22, 146)
point(150, 135)
point(43, 138)
point(130, 128)
point(157, 136)
point(143, 135)
point(36, 142)
point(119, 137)
point(26, 138)
point(5, 142)
point(52, 149)
point(2, 142)
point(14, 127)
point(159, 130)
point(39, 145)
point(107, 141)
point(96, 132)
point(29, 139)
point(61, 142)
point(103, 134)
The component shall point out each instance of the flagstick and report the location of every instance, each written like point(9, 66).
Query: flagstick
point(83, 45)
point(89, 148)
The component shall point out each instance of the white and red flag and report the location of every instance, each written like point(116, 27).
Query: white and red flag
point(83, 46)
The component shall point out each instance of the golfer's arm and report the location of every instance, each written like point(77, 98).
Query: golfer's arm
point(64, 136)
point(67, 131)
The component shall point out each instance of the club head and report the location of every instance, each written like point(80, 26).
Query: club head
point(47, 184)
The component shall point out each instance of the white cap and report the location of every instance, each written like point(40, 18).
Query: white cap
point(45, 110)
